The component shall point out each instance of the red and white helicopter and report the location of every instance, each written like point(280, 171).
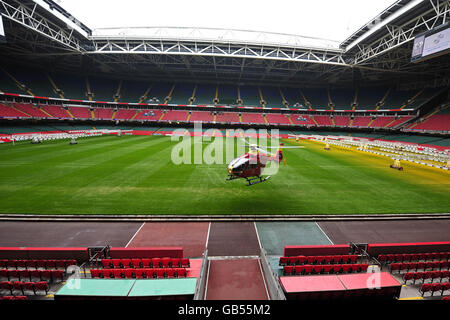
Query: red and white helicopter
point(250, 165)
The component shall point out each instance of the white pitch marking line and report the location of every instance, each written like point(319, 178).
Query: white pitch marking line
point(135, 234)
point(324, 233)
point(207, 236)
point(257, 235)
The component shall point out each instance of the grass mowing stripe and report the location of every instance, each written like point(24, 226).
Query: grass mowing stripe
point(135, 175)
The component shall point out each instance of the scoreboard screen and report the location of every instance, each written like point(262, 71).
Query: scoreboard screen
point(431, 44)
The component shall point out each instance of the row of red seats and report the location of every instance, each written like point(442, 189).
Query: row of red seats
point(130, 273)
point(321, 269)
point(147, 263)
point(409, 257)
point(298, 260)
point(426, 275)
point(419, 265)
point(350, 295)
point(433, 287)
point(22, 286)
point(41, 274)
point(46, 264)
point(4, 298)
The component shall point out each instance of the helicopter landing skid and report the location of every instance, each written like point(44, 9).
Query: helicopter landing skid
point(230, 177)
point(256, 180)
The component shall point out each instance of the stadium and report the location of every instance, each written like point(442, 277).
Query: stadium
point(126, 156)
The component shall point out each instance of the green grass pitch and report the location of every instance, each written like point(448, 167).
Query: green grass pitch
point(135, 175)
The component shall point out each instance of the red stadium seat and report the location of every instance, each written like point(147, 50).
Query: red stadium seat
point(107, 263)
point(36, 274)
point(130, 273)
point(429, 256)
point(308, 269)
point(95, 273)
point(443, 256)
point(406, 257)
point(166, 262)
point(310, 260)
point(109, 273)
point(390, 258)
point(51, 264)
point(363, 267)
point(443, 265)
point(127, 263)
point(426, 287)
point(418, 276)
point(71, 262)
point(170, 272)
point(41, 264)
point(408, 276)
point(288, 270)
point(435, 287)
point(445, 287)
point(182, 272)
point(61, 264)
point(3, 263)
point(283, 261)
point(185, 262)
point(176, 262)
point(6, 285)
point(119, 273)
point(146, 263)
point(319, 259)
point(156, 262)
point(13, 274)
point(327, 268)
point(42, 286)
point(317, 269)
point(11, 264)
point(46, 274)
point(328, 259)
point(436, 255)
point(4, 273)
point(353, 258)
point(137, 263)
point(29, 286)
point(347, 268)
point(420, 266)
point(292, 261)
point(394, 266)
point(382, 258)
point(398, 258)
point(141, 273)
point(298, 270)
point(58, 274)
point(160, 273)
point(426, 275)
point(17, 285)
point(411, 266)
point(24, 274)
point(117, 263)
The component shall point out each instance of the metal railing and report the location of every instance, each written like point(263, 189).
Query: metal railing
point(273, 286)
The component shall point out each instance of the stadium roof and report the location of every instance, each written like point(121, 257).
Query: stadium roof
point(43, 33)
